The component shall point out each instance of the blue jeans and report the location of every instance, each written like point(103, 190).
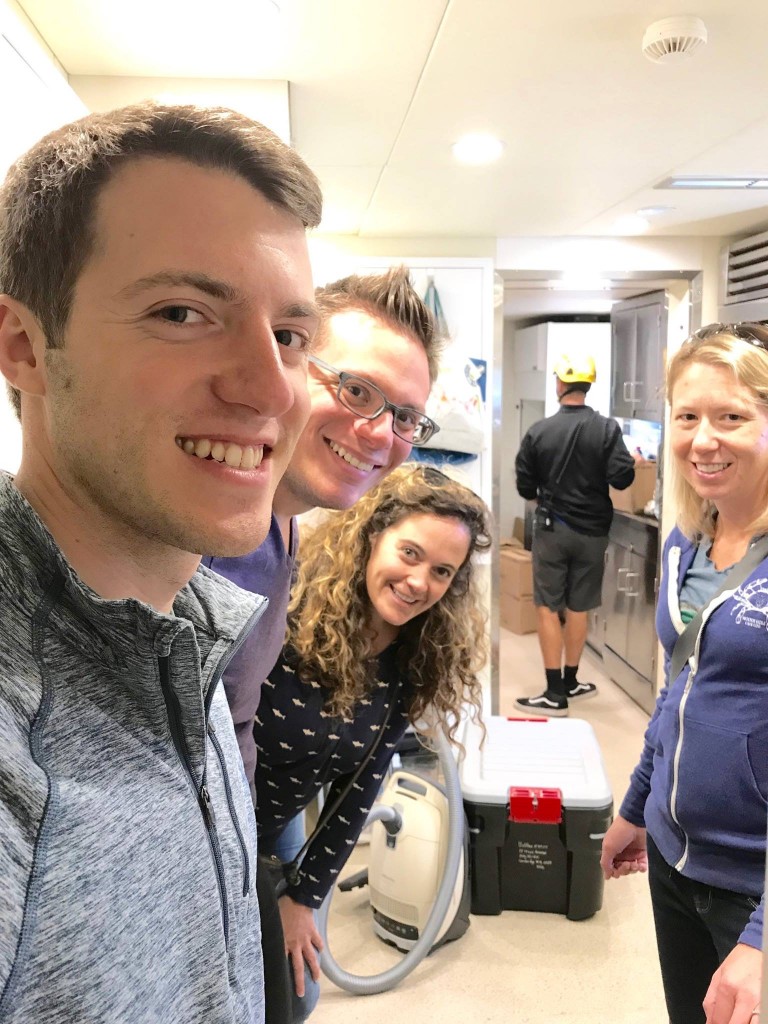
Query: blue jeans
point(286, 846)
point(289, 842)
point(697, 926)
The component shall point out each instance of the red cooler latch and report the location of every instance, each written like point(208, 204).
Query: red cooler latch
point(535, 806)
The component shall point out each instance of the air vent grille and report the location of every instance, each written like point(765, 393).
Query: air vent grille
point(746, 269)
point(674, 47)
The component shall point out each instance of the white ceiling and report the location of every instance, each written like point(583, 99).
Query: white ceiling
point(379, 89)
point(373, 93)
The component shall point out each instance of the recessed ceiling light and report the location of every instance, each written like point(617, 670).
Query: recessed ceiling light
point(653, 211)
point(705, 181)
point(477, 148)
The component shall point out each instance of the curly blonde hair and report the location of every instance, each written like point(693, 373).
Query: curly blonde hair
point(440, 651)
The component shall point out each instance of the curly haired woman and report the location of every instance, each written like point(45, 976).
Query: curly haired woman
point(384, 629)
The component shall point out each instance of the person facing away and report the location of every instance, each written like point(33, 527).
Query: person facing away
point(695, 813)
point(373, 360)
point(385, 629)
point(566, 463)
point(157, 301)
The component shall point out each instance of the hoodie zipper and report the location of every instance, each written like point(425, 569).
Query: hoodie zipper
point(203, 796)
point(692, 669)
point(230, 803)
point(215, 679)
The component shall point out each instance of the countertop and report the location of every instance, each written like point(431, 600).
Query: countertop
point(637, 517)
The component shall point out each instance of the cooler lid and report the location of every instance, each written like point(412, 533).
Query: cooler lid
point(555, 753)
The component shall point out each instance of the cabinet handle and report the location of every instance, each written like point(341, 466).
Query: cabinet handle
point(628, 592)
point(619, 588)
point(630, 391)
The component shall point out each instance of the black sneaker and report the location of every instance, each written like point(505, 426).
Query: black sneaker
point(582, 691)
point(547, 703)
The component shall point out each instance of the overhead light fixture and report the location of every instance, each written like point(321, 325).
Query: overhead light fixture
point(673, 39)
point(712, 181)
point(654, 211)
point(477, 148)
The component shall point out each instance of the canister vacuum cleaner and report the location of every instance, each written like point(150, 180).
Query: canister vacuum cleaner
point(418, 874)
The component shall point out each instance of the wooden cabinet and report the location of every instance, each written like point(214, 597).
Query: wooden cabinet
point(638, 343)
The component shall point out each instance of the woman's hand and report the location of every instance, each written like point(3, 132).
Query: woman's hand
point(302, 940)
point(734, 992)
point(624, 849)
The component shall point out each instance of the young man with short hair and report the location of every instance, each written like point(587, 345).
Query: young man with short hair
point(158, 306)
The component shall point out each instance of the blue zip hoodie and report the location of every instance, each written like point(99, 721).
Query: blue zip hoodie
point(701, 787)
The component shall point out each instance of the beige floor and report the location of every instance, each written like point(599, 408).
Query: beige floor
point(521, 967)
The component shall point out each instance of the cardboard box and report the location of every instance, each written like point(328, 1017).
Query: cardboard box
point(515, 572)
point(518, 529)
point(512, 542)
point(517, 614)
point(639, 492)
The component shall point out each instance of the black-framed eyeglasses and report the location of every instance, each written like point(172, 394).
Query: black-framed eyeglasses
point(364, 399)
point(753, 333)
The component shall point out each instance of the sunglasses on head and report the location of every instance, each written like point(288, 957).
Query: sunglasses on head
point(753, 333)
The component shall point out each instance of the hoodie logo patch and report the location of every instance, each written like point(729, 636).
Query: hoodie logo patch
point(751, 604)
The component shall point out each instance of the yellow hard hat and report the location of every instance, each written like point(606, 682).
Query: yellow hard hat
point(576, 369)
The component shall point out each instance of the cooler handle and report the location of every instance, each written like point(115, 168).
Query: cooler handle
point(531, 806)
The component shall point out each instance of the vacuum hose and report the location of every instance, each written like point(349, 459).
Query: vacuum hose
point(363, 986)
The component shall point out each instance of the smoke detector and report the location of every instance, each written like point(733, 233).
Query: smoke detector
point(674, 39)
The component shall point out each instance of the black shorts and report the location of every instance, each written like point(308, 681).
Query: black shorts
point(567, 568)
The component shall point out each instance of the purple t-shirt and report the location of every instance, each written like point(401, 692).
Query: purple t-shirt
point(268, 570)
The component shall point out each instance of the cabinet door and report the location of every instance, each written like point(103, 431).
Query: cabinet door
point(623, 348)
point(615, 599)
point(639, 590)
point(638, 333)
point(649, 362)
point(596, 629)
point(530, 349)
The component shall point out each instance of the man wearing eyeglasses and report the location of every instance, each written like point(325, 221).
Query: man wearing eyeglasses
point(372, 365)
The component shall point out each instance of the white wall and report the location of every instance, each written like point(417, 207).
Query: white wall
point(37, 97)
point(263, 100)
point(594, 339)
point(37, 100)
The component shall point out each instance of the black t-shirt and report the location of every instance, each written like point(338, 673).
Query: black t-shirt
point(599, 458)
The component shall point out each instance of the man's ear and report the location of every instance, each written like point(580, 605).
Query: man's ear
point(22, 344)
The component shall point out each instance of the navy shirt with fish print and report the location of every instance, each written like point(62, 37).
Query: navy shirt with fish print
point(302, 747)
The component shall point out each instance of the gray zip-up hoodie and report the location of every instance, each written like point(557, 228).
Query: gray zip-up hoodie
point(127, 837)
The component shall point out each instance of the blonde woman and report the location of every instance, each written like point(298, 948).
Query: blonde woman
point(695, 813)
point(384, 628)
